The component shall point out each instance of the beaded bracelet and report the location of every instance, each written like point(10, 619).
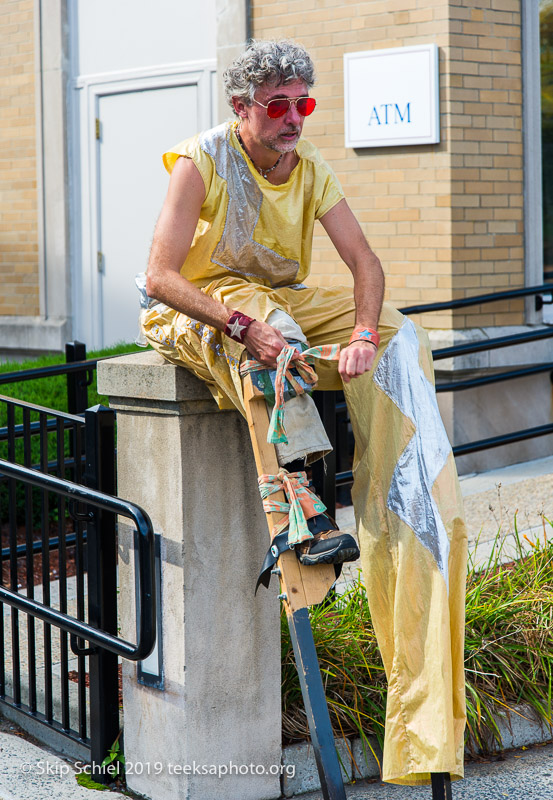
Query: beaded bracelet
point(362, 334)
point(237, 325)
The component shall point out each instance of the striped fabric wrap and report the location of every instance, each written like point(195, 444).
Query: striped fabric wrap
point(327, 352)
point(301, 505)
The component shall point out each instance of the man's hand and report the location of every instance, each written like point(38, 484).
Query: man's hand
point(355, 359)
point(264, 343)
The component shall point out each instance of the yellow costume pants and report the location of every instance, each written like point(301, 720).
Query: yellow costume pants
point(406, 496)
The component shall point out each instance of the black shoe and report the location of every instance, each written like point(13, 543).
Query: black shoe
point(328, 547)
point(315, 551)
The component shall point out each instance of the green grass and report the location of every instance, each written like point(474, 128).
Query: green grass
point(508, 651)
point(351, 668)
point(52, 392)
point(509, 636)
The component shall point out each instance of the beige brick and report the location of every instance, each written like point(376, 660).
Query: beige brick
point(19, 255)
point(413, 204)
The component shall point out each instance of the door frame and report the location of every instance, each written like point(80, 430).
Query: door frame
point(532, 159)
point(85, 222)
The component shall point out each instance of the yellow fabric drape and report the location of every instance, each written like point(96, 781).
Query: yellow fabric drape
point(406, 496)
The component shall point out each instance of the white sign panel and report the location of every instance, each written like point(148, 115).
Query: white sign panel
point(391, 97)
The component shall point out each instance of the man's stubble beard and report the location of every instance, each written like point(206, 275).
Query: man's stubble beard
point(278, 146)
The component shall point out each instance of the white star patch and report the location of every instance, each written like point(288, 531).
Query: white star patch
point(236, 329)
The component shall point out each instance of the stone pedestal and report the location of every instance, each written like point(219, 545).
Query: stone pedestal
point(214, 731)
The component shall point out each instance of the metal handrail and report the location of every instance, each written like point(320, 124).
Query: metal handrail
point(146, 602)
point(477, 300)
point(472, 383)
point(48, 372)
point(482, 345)
point(51, 412)
point(502, 439)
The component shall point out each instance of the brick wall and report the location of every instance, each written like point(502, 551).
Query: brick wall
point(18, 188)
point(446, 219)
point(486, 147)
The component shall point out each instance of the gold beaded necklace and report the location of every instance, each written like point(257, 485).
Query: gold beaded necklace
point(262, 172)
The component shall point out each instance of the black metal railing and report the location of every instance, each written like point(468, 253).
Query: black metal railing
point(486, 345)
point(58, 515)
point(478, 300)
point(78, 369)
point(94, 503)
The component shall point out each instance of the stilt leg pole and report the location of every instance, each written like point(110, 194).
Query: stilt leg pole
point(441, 786)
point(300, 587)
point(316, 708)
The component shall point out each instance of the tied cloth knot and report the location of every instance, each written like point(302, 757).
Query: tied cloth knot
point(302, 503)
point(328, 352)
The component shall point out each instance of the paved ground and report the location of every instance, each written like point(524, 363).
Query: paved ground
point(519, 775)
point(28, 772)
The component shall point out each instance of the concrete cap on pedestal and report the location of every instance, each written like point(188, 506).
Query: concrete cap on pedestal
point(147, 380)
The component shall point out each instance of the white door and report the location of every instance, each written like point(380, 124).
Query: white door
point(136, 128)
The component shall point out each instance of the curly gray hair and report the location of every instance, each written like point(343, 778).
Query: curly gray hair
point(267, 61)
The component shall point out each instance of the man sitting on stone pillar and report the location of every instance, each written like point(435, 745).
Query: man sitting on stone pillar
point(231, 250)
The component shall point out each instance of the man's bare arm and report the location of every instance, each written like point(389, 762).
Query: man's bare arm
point(368, 284)
point(172, 239)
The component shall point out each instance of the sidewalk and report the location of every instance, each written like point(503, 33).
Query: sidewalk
point(517, 774)
point(28, 772)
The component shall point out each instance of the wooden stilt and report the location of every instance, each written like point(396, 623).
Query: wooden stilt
point(304, 586)
point(301, 587)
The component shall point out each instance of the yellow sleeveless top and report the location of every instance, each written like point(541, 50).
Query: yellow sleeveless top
point(247, 226)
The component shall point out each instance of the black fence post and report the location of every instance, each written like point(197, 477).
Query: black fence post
point(77, 382)
point(102, 586)
point(324, 474)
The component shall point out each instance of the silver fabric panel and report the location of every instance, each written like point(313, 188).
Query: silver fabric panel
point(145, 300)
point(400, 376)
point(236, 250)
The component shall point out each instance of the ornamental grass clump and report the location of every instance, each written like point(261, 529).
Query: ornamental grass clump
point(509, 636)
point(508, 650)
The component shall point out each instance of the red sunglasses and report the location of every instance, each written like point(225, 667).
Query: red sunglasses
point(279, 107)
